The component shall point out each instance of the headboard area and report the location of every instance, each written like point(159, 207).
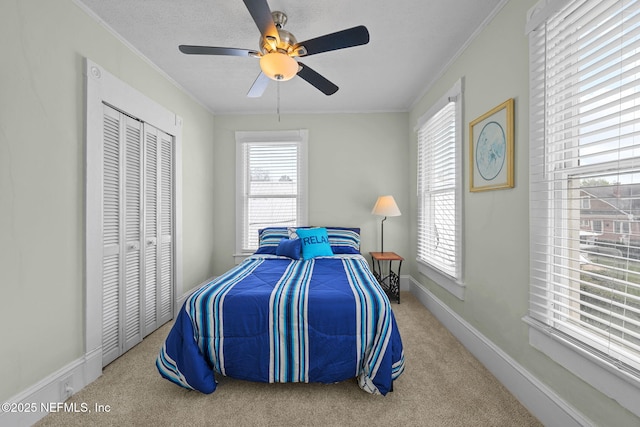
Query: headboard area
point(343, 240)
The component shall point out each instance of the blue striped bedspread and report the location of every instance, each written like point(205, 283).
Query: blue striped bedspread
point(274, 319)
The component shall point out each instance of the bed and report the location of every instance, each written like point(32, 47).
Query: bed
point(305, 307)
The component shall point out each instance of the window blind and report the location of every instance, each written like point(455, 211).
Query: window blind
point(272, 185)
point(438, 179)
point(585, 178)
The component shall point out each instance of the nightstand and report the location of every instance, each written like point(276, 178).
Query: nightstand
point(391, 282)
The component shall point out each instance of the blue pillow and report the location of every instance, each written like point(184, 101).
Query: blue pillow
point(290, 248)
point(315, 242)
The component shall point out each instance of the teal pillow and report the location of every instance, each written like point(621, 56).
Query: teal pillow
point(315, 242)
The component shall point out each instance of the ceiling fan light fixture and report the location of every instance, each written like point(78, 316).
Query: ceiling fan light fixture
point(298, 51)
point(278, 66)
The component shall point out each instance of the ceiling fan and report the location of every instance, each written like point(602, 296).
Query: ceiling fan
point(279, 48)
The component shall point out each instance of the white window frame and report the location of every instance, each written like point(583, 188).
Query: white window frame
point(597, 225)
point(300, 137)
point(585, 202)
point(600, 371)
point(622, 227)
point(452, 282)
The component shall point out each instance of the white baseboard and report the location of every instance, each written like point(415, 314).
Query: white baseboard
point(405, 283)
point(50, 393)
point(179, 303)
point(539, 399)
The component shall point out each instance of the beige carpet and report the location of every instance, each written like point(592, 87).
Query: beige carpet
point(443, 385)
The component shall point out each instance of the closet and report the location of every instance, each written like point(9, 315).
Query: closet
point(137, 231)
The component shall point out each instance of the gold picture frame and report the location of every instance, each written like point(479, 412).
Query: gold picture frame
point(491, 149)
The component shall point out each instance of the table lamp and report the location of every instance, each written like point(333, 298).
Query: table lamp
point(385, 206)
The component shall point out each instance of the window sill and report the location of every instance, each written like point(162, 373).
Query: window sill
point(454, 287)
point(606, 377)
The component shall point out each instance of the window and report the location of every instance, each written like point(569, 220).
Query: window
point(271, 183)
point(597, 226)
point(439, 192)
point(586, 203)
point(585, 140)
point(622, 227)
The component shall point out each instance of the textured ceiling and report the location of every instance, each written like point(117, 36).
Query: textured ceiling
point(411, 42)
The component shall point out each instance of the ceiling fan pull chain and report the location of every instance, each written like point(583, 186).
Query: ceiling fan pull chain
point(278, 92)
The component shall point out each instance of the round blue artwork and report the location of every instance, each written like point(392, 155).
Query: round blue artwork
point(491, 151)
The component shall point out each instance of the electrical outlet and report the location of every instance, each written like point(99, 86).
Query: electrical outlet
point(66, 388)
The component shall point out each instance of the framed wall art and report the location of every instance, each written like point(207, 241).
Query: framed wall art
point(491, 149)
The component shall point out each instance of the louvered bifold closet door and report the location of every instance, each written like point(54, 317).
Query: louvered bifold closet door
point(121, 224)
point(133, 223)
point(151, 228)
point(166, 270)
point(158, 272)
point(111, 203)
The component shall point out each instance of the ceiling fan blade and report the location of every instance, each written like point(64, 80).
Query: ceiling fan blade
point(355, 36)
point(261, 14)
point(259, 86)
point(316, 80)
point(212, 50)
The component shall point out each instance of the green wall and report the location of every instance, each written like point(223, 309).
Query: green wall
point(42, 180)
point(494, 68)
point(353, 159)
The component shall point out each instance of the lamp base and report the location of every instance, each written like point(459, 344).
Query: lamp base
point(382, 234)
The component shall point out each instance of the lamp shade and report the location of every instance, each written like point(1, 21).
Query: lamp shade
point(386, 206)
point(278, 66)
